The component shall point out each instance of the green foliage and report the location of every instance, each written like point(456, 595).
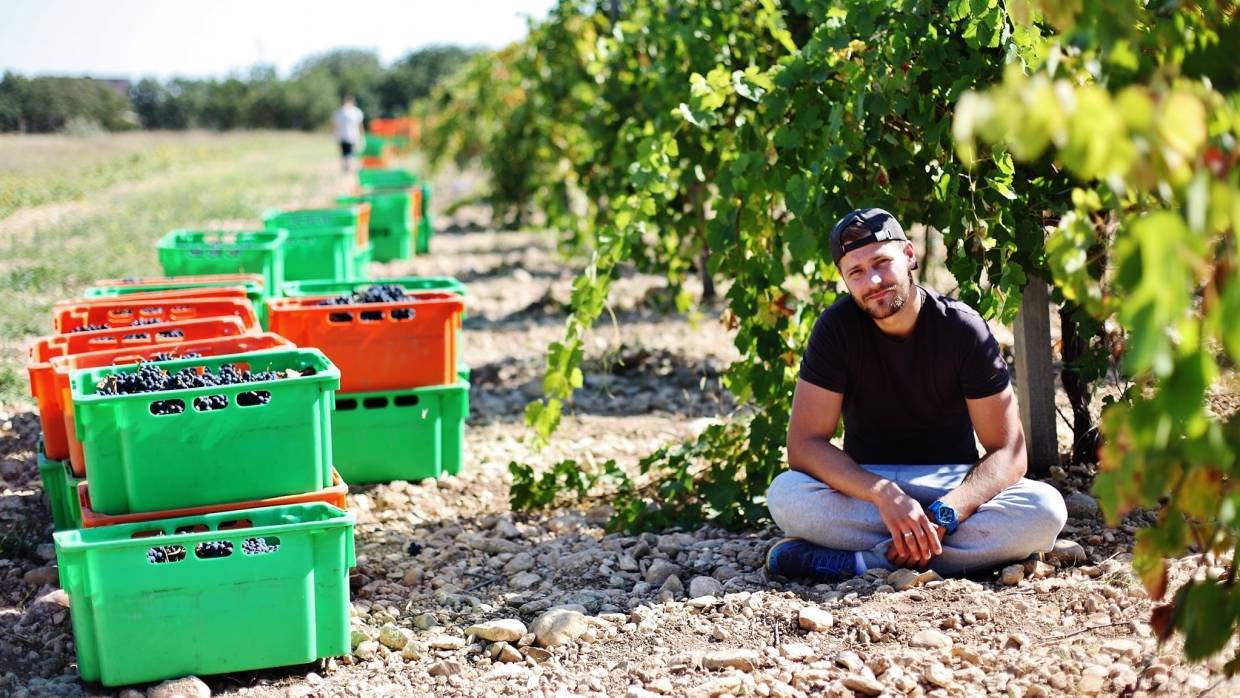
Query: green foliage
point(45, 104)
point(1128, 100)
point(534, 491)
point(1089, 143)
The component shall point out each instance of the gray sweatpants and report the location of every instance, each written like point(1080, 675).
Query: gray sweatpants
point(1023, 519)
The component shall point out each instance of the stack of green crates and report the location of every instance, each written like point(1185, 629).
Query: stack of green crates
point(390, 435)
point(61, 486)
point(390, 180)
point(178, 592)
point(322, 243)
point(197, 252)
point(391, 223)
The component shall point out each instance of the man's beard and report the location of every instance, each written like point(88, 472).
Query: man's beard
point(884, 307)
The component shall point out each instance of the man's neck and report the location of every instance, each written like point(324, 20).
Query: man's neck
point(901, 324)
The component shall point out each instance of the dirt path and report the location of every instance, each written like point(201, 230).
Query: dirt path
point(678, 613)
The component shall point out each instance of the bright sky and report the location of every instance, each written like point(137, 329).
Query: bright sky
point(210, 38)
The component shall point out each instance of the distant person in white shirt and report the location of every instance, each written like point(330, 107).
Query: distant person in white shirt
point(348, 124)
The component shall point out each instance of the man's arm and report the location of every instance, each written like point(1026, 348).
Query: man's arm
point(997, 423)
point(815, 415)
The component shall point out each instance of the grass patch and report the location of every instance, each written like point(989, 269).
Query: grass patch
point(42, 169)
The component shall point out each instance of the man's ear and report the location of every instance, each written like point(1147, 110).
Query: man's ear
point(912, 255)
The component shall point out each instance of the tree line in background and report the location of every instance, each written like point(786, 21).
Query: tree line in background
point(305, 100)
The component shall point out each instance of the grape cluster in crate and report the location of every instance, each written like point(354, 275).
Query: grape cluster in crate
point(199, 429)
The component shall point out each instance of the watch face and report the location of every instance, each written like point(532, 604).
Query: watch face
point(945, 515)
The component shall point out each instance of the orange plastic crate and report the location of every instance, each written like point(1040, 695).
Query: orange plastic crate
point(238, 292)
point(156, 337)
point(374, 347)
point(334, 495)
point(61, 401)
point(239, 279)
point(122, 312)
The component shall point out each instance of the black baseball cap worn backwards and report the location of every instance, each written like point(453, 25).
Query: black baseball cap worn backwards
point(882, 225)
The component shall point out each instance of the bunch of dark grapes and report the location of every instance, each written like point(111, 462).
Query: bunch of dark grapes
point(258, 546)
point(206, 403)
point(150, 378)
point(162, 407)
point(89, 328)
point(148, 321)
point(213, 548)
point(171, 334)
point(171, 356)
point(165, 553)
point(378, 293)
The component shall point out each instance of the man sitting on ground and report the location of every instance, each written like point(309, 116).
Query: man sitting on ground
point(913, 373)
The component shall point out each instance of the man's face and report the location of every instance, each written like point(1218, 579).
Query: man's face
point(879, 277)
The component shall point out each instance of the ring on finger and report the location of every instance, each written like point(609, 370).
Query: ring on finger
point(907, 534)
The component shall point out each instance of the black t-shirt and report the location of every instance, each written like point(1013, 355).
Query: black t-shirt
point(904, 399)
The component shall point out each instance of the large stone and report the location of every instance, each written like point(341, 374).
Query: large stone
point(525, 580)
point(505, 652)
point(366, 650)
point(849, 660)
point(446, 667)
point(1081, 506)
point(187, 687)
point(446, 642)
point(673, 586)
point(559, 627)
point(1122, 647)
point(41, 576)
point(522, 562)
point(1068, 552)
point(864, 685)
point(392, 637)
point(931, 639)
point(1011, 575)
point(503, 630)
point(815, 619)
point(903, 579)
point(938, 675)
point(796, 651)
point(704, 586)
point(744, 660)
point(660, 570)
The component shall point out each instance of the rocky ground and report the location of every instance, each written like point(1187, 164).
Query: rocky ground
point(454, 594)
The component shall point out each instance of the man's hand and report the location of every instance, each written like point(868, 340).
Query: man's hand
point(914, 538)
point(900, 561)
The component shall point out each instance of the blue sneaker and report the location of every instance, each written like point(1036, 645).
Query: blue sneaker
point(797, 558)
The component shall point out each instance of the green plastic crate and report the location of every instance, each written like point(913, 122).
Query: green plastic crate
point(61, 487)
point(321, 242)
point(137, 461)
point(362, 258)
point(391, 225)
point(379, 178)
point(310, 218)
point(400, 434)
point(253, 291)
point(425, 227)
point(373, 145)
point(329, 287)
point(136, 621)
point(186, 252)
